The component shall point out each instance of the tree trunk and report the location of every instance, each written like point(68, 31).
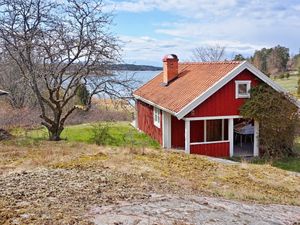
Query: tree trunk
point(55, 132)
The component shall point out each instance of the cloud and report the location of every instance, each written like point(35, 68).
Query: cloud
point(144, 49)
point(182, 7)
point(243, 26)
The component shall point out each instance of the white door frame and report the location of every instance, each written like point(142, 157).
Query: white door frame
point(166, 129)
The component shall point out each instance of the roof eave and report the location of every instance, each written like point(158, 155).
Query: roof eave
point(153, 104)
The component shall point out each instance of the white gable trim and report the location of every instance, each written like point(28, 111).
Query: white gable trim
point(228, 77)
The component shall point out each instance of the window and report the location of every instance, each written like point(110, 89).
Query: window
point(207, 131)
point(242, 88)
point(214, 130)
point(156, 117)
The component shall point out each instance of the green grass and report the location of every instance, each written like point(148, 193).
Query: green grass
point(119, 134)
point(291, 163)
point(288, 163)
point(290, 84)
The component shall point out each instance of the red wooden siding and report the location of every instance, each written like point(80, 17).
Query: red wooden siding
point(223, 102)
point(177, 133)
point(145, 121)
point(197, 131)
point(213, 149)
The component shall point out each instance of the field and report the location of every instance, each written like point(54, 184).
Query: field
point(122, 134)
point(289, 84)
point(43, 182)
point(116, 134)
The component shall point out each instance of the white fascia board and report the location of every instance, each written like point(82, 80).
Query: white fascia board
point(153, 104)
point(270, 82)
point(233, 73)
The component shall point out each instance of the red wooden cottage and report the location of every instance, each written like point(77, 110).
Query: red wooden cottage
point(195, 107)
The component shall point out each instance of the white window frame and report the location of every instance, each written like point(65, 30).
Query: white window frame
point(156, 117)
point(223, 140)
point(237, 83)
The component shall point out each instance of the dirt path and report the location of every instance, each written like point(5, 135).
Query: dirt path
point(174, 210)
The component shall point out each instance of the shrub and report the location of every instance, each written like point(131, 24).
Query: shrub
point(101, 135)
point(278, 119)
point(287, 75)
point(281, 76)
point(83, 94)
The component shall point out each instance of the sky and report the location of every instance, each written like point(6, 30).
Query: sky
point(150, 29)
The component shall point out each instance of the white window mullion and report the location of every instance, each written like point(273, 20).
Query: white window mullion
point(222, 129)
point(204, 133)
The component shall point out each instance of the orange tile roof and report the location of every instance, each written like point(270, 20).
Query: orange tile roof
point(193, 80)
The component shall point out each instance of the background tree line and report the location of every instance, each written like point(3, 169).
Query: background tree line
point(271, 61)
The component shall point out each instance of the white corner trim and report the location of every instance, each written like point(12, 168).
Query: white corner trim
point(153, 104)
point(230, 136)
point(187, 136)
point(166, 129)
point(228, 77)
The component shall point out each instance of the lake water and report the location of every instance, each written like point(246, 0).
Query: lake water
point(144, 76)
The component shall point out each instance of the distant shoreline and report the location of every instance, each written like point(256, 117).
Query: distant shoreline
point(133, 67)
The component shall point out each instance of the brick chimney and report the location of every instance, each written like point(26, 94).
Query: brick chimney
point(170, 68)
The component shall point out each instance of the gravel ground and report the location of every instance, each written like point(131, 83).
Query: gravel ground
point(170, 210)
point(59, 196)
point(100, 196)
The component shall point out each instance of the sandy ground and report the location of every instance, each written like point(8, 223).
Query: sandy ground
point(173, 210)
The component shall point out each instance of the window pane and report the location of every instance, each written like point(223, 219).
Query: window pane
point(243, 89)
point(214, 130)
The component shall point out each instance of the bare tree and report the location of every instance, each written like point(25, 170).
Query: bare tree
point(59, 47)
point(20, 94)
point(213, 53)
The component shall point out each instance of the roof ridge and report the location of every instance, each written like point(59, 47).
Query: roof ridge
point(215, 62)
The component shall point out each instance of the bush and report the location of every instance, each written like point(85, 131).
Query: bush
point(101, 135)
point(278, 118)
point(281, 76)
point(287, 75)
point(83, 94)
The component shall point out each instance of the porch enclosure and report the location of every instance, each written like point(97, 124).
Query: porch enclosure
point(218, 136)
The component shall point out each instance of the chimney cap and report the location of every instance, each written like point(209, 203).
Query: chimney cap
point(170, 56)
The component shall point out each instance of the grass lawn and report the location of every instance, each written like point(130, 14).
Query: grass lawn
point(292, 163)
point(122, 134)
point(118, 134)
point(289, 163)
point(289, 84)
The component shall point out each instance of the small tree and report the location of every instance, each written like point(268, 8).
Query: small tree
point(278, 118)
point(209, 53)
point(287, 75)
point(83, 95)
point(281, 76)
point(239, 57)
